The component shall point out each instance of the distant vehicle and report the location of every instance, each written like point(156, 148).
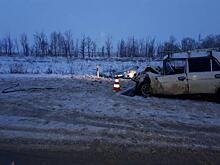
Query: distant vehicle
point(182, 73)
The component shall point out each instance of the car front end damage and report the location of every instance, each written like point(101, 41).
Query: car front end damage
point(143, 81)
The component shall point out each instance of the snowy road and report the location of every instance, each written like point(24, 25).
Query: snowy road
point(65, 113)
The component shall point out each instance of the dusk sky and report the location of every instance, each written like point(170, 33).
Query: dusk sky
point(118, 18)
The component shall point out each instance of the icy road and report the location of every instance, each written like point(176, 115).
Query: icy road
point(81, 118)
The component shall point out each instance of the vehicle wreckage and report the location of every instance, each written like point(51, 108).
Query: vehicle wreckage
point(180, 74)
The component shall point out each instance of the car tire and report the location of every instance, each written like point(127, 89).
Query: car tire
point(145, 89)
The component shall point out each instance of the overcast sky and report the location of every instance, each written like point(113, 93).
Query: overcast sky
point(118, 18)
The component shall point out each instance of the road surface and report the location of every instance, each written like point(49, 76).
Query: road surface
point(65, 120)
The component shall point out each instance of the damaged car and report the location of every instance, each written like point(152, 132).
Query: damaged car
point(180, 74)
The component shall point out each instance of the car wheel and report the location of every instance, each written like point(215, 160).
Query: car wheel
point(145, 89)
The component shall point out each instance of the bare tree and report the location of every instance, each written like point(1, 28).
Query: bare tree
point(8, 45)
point(5, 45)
point(93, 48)
point(151, 48)
point(129, 47)
point(88, 45)
point(199, 42)
point(188, 44)
point(211, 41)
point(160, 50)
point(76, 50)
point(83, 46)
point(1, 47)
point(54, 43)
point(68, 43)
point(141, 51)
point(103, 51)
point(41, 45)
point(60, 43)
point(122, 48)
point(217, 41)
point(16, 46)
point(134, 47)
point(109, 47)
point(171, 46)
point(24, 44)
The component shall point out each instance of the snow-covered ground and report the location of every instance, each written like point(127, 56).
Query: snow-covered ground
point(64, 66)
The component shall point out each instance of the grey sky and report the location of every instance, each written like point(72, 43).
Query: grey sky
point(118, 18)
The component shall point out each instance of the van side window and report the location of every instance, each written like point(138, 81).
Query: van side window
point(199, 64)
point(215, 65)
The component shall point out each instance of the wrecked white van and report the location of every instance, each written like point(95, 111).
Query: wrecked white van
point(182, 73)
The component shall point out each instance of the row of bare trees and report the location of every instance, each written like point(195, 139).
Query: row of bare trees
point(64, 44)
point(136, 48)
point(8, 45)
point(57, 44)
point(149, 48)
point(187, 43)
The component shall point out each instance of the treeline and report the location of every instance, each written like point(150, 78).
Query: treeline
point(64, 44)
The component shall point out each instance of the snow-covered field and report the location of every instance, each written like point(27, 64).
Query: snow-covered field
point(64, 66)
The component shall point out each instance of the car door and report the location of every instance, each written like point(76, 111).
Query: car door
point(216, 75)
point(174, 79)
point(200, 76)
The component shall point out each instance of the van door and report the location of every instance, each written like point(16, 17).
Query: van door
point(174, 80)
